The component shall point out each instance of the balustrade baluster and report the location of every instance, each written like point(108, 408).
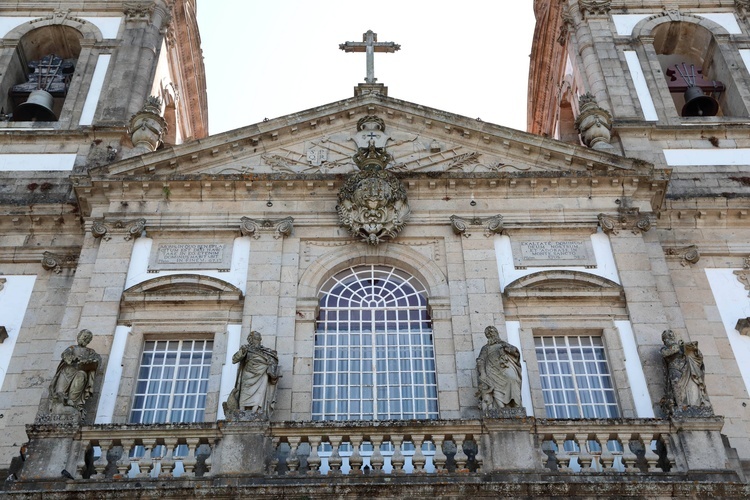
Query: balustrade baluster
point(334, 462)
point(629, 459)
point(292, 460)
point(313, 460)
point(123, 464)
point(190, 460)
point(439, 459)
point(479, 457)
point(146, 462)
point(397, 459)
point(81, 464)
point(376, 460)
point(585, 458)
point(460, 457)
point(167, 461)
point(607, 458)
point(651, 457)
point(561, 455)
point(209, 461)
point(273, 464)
point(100, 465)
point(355, 461)
point(418, 460)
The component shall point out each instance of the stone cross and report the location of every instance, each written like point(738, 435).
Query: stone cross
point(370, 45)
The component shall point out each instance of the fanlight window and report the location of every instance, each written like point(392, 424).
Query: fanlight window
point(374, 354)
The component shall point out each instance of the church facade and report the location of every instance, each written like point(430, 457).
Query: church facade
point(373, 297)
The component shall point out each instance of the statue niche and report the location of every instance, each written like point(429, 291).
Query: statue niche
point(254, 392)
point(685, 385)
point(73, 382)
point(372, 203)
point(499, 377)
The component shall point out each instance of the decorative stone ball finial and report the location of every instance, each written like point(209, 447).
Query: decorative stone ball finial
point(593, 123)
point(147, 126)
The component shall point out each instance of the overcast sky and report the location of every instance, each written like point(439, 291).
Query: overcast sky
point(266, 59)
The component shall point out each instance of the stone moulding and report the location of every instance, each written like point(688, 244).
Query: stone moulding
point(688, 254)
point(254, 227)
point(57, 262)
point(595, 7)
point(130, 229)
point(563, 284)
point(491, 225)
point(628, 218)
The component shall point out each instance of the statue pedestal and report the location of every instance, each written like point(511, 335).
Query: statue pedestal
point(51, 447)
point(698, 440)
point(510, 442)
point(245, 446)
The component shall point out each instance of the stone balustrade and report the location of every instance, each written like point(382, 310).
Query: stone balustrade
point(393, 447)
point(626, 446)
point(618, 447)
point(147, 451)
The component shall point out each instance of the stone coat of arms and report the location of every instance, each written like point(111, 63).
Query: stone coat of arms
point(372, 203)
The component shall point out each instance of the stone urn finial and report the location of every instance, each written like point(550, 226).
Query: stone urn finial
point(147, 126)
point(593, 123)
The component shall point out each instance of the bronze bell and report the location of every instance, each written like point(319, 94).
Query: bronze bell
point(37, 108)
point(699, 104)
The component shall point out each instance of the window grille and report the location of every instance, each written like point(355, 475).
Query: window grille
point(575, 376)
point(172, 382)
point(374, 355)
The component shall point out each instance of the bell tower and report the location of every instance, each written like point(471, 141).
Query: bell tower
point(667, 83)
point(670, 85)
point(73, 77)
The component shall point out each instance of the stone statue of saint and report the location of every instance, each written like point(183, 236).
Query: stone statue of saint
point(499, 370)
point(685, 373)
point(73, 382)
point(255, 388)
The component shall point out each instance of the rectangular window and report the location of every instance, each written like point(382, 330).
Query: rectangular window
point(575, 376)
point(172, 382)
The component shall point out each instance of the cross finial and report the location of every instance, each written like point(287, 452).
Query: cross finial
point(370, 45)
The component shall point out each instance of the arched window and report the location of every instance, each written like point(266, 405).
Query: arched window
point(690, 58)
point(44, 61)
point(374, 354)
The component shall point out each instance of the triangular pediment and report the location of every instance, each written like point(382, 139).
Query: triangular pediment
point(421, 140)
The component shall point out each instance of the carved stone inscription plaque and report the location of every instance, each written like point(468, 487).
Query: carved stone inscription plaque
point(191, 256)
point(553, 253)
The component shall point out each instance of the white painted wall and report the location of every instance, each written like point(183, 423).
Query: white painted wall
point(634, 369)
point(237, 275)
point(641, 87)
point(109, 26)
point(7, 23)
point(702, 157)
point(726, 20)
point(30, 162)
point(605, 261)
point(95, 91)
point(745, 55)
point(733, 303)
point(514, 338)
point(624, 23)
point(229, 370)
point(111, 384)
point(14, 299)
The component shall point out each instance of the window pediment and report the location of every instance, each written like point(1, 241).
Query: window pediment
point(563, 284)
point(182, 288)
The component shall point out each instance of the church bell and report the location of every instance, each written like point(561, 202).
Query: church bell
point(697, 103)
point(38, 107)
